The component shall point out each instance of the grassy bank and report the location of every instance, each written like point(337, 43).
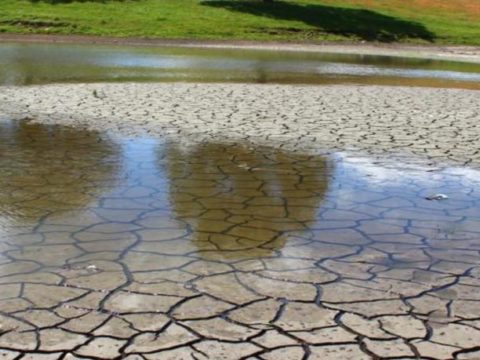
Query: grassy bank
point(417, 21)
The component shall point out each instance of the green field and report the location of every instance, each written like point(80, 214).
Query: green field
point(414, 21)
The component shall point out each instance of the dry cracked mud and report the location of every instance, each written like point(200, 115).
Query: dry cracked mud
point(119, 248)
point(440, 125)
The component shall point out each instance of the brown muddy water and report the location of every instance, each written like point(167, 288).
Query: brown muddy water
point(25, 64)
point(144, 249)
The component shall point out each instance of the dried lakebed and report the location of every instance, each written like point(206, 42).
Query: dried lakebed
point(441, 126)
point(149, 248)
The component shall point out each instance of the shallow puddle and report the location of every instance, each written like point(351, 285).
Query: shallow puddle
point(26, 64)
point(113, 247)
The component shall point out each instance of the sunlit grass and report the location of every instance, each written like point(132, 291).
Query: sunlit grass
point(419, 21)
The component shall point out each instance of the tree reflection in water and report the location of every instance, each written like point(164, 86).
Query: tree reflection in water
point(242, 202)
point(47, 170)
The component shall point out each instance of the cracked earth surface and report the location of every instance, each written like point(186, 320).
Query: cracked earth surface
point(117, 248)
point(440, 125)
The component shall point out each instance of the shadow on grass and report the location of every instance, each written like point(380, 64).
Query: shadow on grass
point(363, 24)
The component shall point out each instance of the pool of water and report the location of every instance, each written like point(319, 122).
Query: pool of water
point(24, 64)
point(113, 246)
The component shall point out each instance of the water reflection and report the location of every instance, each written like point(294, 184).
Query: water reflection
point(49, 169)
point(240, 201)
point(220, 201)
point(24, 64)
point(138, 245)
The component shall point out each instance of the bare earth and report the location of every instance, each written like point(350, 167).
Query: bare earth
point(441, 126)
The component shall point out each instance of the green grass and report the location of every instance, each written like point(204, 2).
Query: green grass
point(414, 21)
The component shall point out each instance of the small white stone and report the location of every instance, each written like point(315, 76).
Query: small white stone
point(92, 268)
point(437, 197)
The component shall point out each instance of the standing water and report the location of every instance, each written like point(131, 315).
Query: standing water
point(25, 64)
point(144, 249)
